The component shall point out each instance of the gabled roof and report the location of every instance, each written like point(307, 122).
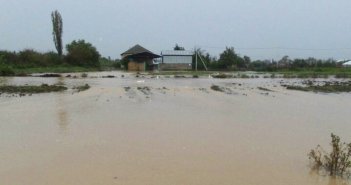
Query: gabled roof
point(137, 49)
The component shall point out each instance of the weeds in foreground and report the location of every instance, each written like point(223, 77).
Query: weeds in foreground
point(337, 162)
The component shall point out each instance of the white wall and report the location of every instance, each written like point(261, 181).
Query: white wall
point(177, 59)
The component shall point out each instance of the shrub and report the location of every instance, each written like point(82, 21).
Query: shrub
point(82, 53)
point(6, 71)
point(337, 162)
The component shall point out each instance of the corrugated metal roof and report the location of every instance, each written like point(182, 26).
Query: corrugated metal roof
point(347, 63)
point(177, 53)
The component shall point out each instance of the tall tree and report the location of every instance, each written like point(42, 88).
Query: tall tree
point(57, 31)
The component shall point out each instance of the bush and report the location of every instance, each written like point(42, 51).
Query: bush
point(81, 53)
point(337, 162)
point(6, 71)
point(29, 58)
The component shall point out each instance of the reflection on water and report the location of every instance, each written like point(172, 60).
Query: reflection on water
point(63, 120)
point(62, 113)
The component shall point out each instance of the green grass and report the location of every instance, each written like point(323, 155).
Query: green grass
point(54, 69)
point(29, 89)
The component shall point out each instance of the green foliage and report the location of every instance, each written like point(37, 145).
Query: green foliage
point(206, 58)
point(6, 70)
point(337, 162)
point(107, 63)
point(124, 63)
point(230, 59)
point(57, 31)
point(177, 47)
point(29, 58)
point(81, 53)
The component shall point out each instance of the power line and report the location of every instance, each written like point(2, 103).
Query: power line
point(279, 48)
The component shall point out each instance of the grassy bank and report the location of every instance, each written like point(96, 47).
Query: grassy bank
point(29, 89)
point(54, 69)
point(315, 72)
point(328, 87)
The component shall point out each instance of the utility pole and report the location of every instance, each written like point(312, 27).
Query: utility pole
point(203, 62)
point(195, 60)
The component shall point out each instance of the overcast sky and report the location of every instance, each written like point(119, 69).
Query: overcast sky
point(261, 29)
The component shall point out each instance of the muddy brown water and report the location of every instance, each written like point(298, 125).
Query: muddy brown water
point(177, 132)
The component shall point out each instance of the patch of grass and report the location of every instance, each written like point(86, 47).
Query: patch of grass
point(145, 90)
point(127, 88)
point(222, 75)
point(244, 76)
point(316, 73)
point(50, 75)
point(179, 76)
point(264, 89)
point(55, 69)
point(109, 76)
point(82, 88)
point(199, 73)
point(84, 75)
point(330, 87)
point(217, 88)
point(44, 88)
point(337, 162)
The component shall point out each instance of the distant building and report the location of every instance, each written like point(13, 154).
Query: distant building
point(176, 60)
point(347, 64)
point(139, 58)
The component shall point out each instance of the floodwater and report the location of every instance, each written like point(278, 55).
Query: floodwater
point(174, 131)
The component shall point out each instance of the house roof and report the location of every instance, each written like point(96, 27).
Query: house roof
point(348, 63)
point(177, 53)
point(137, 49)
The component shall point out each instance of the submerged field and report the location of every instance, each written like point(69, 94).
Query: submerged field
point(151, 129)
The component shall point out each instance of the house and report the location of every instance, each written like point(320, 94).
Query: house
point(347, 64)
point(176, 60)
point(139, 58)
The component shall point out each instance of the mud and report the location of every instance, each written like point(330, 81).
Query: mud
point(180, 132)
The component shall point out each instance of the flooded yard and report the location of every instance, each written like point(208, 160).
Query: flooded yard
point(157, 130)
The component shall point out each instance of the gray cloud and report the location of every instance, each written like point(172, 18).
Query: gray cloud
point(257, 28)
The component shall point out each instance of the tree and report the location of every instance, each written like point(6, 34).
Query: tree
point(207, 59)
point(82, 53)
point(228, 58)
point(176, 47)
point(57, 31)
